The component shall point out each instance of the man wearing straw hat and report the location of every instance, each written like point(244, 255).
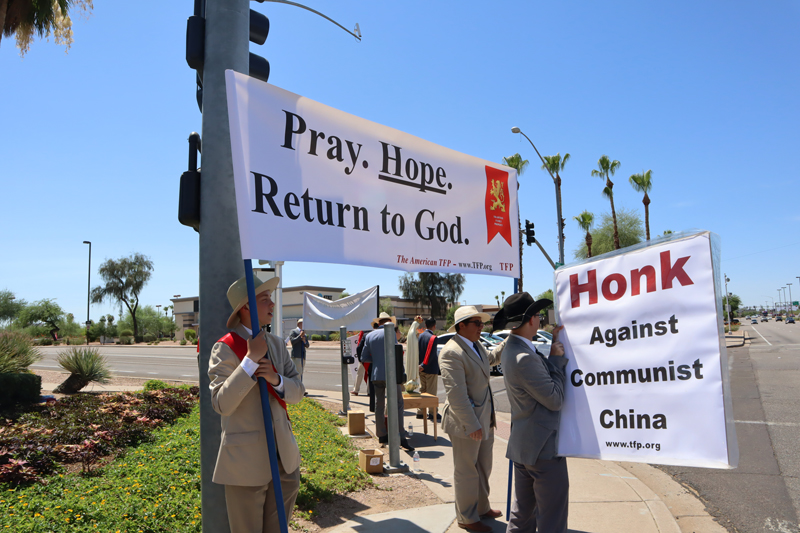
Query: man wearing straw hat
point(468, 416)
point(535, 387)
point(374, 354)
point(243, 466)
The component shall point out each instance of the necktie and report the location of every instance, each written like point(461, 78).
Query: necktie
point(477, 350)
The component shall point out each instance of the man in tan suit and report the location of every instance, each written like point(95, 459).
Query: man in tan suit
point(468, 417)
point(243, 466)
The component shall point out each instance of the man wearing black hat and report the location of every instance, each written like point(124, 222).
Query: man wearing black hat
point(535, 387)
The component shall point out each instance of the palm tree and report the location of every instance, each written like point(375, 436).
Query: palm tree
point(516, 162)
point(643, 183)
point(586, 221)
point(553, 164)
point(605, 169)
point(23, 18)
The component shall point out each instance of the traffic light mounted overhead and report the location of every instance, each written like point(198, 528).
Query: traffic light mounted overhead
point(259, 30)
point(530, 237)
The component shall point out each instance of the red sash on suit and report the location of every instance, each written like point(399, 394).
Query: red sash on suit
point(428, 351)
point(239, 347)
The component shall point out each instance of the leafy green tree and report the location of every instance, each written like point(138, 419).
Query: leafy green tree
point(344, 294)
point(44, 313)
point(548, 294)
point(124, 280)
point(605, 169)
point(69, 328)
point(736, 302)
point(9, 305)
point(435, 290)
point(586, 220)
point(630, 231)
point(385, 306)
point(643, 183)
point(24, 18)
point(516, 162)
point(451, 316)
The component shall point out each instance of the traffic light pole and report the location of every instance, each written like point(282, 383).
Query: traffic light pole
point(227, 30)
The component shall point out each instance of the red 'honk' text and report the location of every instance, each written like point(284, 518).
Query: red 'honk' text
point(615, 286)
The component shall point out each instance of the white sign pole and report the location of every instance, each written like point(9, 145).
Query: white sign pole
point(647, 374)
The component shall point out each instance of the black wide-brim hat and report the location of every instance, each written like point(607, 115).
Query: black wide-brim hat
point(517, 309)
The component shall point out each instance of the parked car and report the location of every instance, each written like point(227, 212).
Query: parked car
point(488, 340)
point(790, 320)
point(779, 318)
point(764, 319)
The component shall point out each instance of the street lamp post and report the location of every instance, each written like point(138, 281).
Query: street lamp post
point(558, 196)
point(88, 290)
point(784, 297)
point(790, 300)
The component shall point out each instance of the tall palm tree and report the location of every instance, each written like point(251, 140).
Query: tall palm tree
point(554, 164)
point(605, 169)
point(24, 18)
point(516, 162)
point(643, 183)
point(586, 220)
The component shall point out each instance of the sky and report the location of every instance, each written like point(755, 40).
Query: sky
point(705, 94)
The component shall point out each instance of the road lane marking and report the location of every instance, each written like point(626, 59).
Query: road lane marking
point(762, 336)
point(765, 422)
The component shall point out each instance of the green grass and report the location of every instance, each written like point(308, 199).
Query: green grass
point(155, 487)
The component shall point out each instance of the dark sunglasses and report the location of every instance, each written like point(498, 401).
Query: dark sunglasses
point(478, 323)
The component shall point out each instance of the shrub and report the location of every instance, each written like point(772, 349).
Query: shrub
point(149, 337)
point(183, 342)
point(333, 337)
point(84, 365)
point(19, 387)
point(74, 341)
point(16, 352)
point(44, 341)
point(126, 333)
point(126, 339)
point(316, 337)
point(155, 384)
point(138, 338)
point(191, 335)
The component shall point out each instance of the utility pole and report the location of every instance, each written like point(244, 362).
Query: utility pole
point(227, 29)
point(791, 307)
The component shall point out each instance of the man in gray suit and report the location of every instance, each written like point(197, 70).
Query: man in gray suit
point(535, 388)
point(468, 417)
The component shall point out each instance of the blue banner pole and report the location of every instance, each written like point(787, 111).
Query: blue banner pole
point(508, 497)
point(265, 408)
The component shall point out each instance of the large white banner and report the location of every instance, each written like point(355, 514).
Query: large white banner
point(317, 184)
point(647, 372)
point(356, 312)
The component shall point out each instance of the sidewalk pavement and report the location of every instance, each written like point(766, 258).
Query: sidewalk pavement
point(604, 496)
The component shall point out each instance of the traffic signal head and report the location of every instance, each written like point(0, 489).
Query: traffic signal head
point(259, 30)
point(530, 234)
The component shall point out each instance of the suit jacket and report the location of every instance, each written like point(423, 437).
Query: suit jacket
point(433, 361)
point(299, 344)
point(243, 457)
point(469, 405)
point(535, 389)
point(373, 353)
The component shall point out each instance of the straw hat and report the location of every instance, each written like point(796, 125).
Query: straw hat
point(465, 312)
point(384, 316)
point(237, 295)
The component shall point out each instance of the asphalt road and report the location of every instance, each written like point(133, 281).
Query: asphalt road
point(763, 493)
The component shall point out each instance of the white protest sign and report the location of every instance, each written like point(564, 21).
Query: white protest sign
point(647, 372)
point(356, 312)
point(317, 184)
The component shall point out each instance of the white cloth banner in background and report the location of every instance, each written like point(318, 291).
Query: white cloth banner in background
point(356, 312)
point(647, 373)
point(317, 184)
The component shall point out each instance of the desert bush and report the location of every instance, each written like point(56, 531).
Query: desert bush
point(126, 340)
point(84, 365)
point(149, 337)
point(19, 388)
point(44, 341)
point(126, 333)
point(191, 335)
point(183, 342)
point(155, 384)
point(333, 337)
point(16, 352)
point(317, 337)
point(74, 341)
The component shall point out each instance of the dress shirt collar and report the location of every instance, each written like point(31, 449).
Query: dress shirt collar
point(529, 342)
